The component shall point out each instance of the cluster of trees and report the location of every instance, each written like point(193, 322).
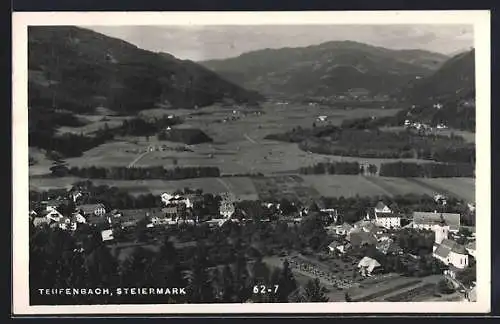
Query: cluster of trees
point(373, 143)
point(427, 170)
point(221, 268)
point(188, 136)
point(416, 242)
point(363, 138)
point(68, 144)
point(42, 133)
point(158, 172)
point(142, 127)
point(332, 168)
point(413, 242)
point(299, 134)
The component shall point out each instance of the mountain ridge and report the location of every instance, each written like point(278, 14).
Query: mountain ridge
point(78, 69)
point(299, 69)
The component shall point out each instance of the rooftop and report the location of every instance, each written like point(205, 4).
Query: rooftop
point(89, 208)
point(448, 246)
point(368, 262)
point(380, 205)
point(431, 218)
point(388, 215)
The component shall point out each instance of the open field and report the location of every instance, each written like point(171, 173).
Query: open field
point(238, 133)
point(462, 188)
point(349, 186)
point(42, 163)
point(303, 187)
point(287, 187)
point(242, 188)
point(94, 123)
point(399, 186)
point(342, 185)
point(239, 147)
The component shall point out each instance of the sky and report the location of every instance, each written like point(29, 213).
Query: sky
point(200, 43)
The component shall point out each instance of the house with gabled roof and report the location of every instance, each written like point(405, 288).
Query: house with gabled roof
point(367, 265)
point(383, 216)
point(92, 209)
point(382, 208)
point(54, 215)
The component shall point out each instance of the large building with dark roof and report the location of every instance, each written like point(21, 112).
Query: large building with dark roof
point(429, 220)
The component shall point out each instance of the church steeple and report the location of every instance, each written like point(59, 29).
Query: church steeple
point(441, 231)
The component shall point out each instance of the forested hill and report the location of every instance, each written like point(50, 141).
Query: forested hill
point(328, 69)
point(454, 79)
point(76, 69)
point(447, 96)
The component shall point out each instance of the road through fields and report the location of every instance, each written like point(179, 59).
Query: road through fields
point(140, 156)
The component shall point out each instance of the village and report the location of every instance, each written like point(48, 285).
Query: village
point(362, 257)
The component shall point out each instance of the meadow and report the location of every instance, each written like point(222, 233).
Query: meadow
point(239, 147)
point(308, 187)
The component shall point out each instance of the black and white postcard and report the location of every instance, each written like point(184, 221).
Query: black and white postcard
point(251, 162)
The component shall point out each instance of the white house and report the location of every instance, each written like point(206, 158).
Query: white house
point(107, 235)
point(383, 216)
point(388, 220)
point(448, 251)
point(54, 215)
point(367, 265)
point(78, 218)
point(93, 209)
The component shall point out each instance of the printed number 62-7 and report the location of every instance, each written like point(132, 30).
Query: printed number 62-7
point(263, 289)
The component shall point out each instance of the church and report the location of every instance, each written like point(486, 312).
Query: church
point(448, 251)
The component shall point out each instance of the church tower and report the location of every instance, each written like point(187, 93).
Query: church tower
point(440, 232)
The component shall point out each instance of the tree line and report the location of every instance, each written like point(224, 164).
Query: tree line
point(333, 168)
point(138, 126)
point(140, 173)
point(426, 170)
